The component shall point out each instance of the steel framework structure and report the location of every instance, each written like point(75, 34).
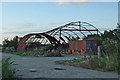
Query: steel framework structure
point(59, 35)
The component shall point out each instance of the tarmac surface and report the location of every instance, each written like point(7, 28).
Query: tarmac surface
point(45, 67)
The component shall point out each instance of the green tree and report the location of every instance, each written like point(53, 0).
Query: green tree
point(11, 43)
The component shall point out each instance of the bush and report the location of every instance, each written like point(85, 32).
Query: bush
point(6, 71)
point(110, 46)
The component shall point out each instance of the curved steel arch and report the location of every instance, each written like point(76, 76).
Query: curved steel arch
point(54, 36)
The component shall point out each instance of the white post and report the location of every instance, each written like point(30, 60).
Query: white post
point(100, 51)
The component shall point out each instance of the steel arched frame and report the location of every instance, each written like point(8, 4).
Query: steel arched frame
point(54, 36)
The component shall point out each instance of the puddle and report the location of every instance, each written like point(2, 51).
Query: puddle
point(40, 78)
point(59, 69)
point(33, 70)
point(20, 75)
point(15, 64)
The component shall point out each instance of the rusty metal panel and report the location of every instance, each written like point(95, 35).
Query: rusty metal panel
point(80, 45)
point(72, 45)
point(77, 45)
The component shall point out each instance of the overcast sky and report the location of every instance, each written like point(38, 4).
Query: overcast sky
point(20, 18)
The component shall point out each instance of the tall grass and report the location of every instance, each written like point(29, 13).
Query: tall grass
point(106, 63)
point(7, 73)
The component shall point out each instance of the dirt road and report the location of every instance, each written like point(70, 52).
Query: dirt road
point(43, 67)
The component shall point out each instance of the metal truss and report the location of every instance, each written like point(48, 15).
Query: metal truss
point(59, 35)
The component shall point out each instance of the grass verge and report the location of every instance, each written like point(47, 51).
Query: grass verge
point(19, 53)
point(75, 62)
point(107, 63)
point(36, 53)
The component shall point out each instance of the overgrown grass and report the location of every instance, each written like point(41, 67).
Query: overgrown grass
point(37, 52)
point(19, 53)
point(106, 63)
point(7, 73)
point(29, 53)
point(83, 62)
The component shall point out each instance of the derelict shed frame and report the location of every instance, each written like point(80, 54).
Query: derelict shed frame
point(58, 35)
